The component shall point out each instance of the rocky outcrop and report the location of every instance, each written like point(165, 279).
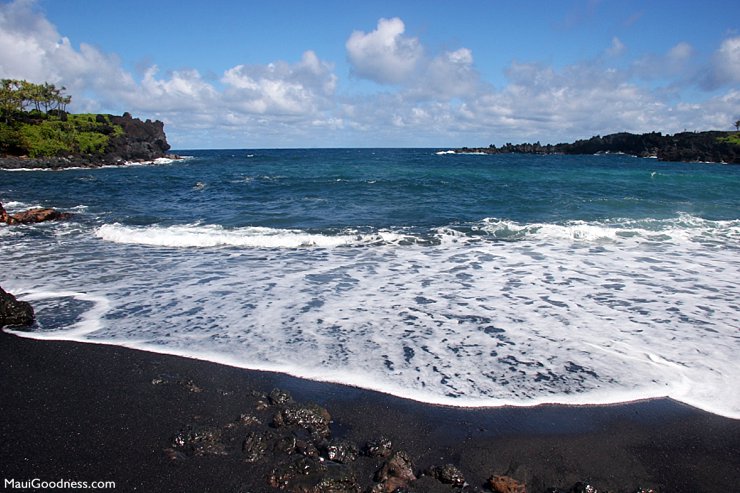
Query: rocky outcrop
point(32, 216)
point(716, 147)
point(139, 141)
point(14, 312)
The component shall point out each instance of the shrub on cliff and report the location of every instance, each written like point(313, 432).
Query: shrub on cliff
point(58, 134)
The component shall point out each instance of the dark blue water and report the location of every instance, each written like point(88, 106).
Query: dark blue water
point(384, 188)
point(458, 279)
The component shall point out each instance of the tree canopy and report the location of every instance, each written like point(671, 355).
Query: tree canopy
point(21, 95)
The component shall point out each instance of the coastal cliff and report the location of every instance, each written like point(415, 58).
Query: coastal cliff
point(65, 140)
point(711, 146)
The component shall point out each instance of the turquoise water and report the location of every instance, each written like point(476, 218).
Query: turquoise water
point(459, 279)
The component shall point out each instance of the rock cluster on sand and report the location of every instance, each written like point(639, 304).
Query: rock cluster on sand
point(14, 312)
point(290, 446)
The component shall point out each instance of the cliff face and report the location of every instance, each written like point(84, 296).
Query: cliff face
point(142, 141)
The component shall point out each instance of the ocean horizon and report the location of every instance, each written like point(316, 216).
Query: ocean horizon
point(454, 279)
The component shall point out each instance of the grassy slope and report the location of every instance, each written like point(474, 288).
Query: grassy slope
point(47, 135)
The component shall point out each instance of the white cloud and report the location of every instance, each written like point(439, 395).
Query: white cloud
point(384, 55)
point(725, 65)
point(428, 98)
point(448, 75)
point(674, 65)
point(32, 49)
point(301, 88)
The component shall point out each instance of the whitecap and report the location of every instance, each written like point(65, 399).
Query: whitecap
point(204, 236)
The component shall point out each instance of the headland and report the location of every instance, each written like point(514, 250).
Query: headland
point(710, 146)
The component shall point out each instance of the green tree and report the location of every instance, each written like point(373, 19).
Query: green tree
point(18, 95)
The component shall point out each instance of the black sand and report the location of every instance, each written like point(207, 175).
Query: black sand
point(92, 413)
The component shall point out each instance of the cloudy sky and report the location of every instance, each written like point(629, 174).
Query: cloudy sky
point(427, 73)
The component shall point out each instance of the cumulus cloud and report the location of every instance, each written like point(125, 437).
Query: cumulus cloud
point(301, 88)
point(34, 50)
point(725, 65)
point(427, 98)
point(387, 56)
point(384, 55)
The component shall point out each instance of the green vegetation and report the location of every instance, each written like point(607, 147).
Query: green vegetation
point(19, 95)
point(732, 138)
point(27, 130)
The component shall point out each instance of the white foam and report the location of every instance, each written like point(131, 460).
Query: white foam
point(204, 236)
point(90, 321)
point(685, 227)
point(157, 162)
point(565, 314)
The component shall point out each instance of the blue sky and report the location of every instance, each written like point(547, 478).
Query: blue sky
point(244, 74)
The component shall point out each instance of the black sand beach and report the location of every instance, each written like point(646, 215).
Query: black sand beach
point(152, 422)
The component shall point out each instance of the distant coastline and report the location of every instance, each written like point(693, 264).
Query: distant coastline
point(709, 146)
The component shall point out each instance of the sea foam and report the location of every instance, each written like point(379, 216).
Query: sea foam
point(558, 315)
point(203, 236)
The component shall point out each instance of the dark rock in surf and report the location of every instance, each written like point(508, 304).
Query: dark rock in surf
point(14, 312)
point(32, 216)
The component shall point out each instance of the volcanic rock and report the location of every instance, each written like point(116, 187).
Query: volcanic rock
point(505, 484)
point(380, 447)
point(311, 417)
point(448, 474)
point(396, 473)
point(32, 216)
point(14, 312)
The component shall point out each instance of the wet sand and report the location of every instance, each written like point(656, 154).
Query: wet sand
point(88, 412)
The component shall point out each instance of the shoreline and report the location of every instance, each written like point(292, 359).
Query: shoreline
point(95, 412)
point(14, 163)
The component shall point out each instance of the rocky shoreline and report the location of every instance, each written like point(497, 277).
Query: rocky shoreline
point(711, 146)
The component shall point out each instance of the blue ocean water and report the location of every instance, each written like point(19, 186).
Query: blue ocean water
point(472, 280)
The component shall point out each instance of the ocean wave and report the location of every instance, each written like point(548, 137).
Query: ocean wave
point(204, 236)
point(684, 228)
